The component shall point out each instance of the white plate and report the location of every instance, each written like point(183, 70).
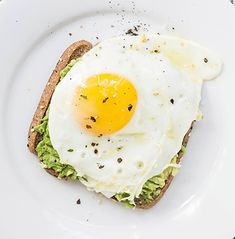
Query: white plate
point(200, 201)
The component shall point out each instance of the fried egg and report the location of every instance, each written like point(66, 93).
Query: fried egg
point(120, 115)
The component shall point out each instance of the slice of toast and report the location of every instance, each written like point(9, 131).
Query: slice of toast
point(75, 51)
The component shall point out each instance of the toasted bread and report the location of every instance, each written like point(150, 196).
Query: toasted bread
point(75, 51)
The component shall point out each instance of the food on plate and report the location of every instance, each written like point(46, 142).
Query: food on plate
point(117, 116)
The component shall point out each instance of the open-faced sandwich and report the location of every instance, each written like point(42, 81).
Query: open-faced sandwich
point(117, 116)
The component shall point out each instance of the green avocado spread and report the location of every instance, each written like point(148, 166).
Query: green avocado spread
point(152, 187)
point(48, 155)
point(50, 160)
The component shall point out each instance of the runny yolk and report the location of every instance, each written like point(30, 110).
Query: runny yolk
point(105, 104)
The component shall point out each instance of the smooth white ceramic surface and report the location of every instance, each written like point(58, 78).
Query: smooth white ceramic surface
point(200, 201)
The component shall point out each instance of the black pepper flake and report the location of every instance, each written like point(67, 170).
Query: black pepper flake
point(88, 126)
point(108, 140)
point(85, 146)
point(92, 118)
point(156, 51)
point(119, 160)
point(172, 101)
point(130, 106)
point(205, 60)
point(84, 97)
point(96, 151)
point(93, 144)
point(79, 201)
point(97, 38)
point(119, 148)
point(100, 135)
point(70, 150)
point(105, 99)
point(131, 32)
point(100, 166)
point(70, 34)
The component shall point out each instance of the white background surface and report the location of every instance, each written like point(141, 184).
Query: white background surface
point(200, 201)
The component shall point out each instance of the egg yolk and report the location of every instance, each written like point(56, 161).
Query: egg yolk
point(105, 103)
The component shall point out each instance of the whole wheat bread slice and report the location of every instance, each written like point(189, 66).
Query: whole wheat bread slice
point(75, 51)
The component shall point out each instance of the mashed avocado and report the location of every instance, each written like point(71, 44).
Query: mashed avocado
point(48, 155)
point(50, 160)
point(153, 186)
point(64, 72)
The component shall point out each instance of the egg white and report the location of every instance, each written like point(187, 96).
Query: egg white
point(161, 68)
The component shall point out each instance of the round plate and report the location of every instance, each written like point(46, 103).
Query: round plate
point(200, 201)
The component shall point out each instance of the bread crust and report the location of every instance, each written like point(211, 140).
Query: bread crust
point(74, 51)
